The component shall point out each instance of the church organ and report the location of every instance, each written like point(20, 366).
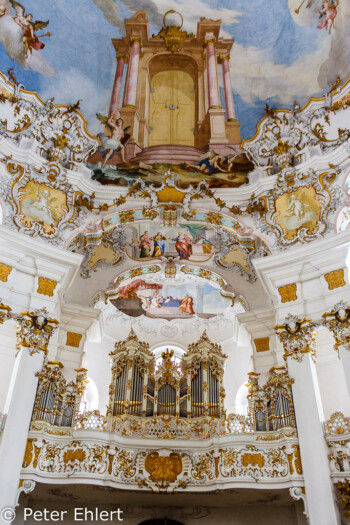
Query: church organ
point(57, 401)
point(190, 388)
point(271, 406)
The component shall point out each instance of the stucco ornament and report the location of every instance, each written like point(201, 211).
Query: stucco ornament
point(338, 322)
point(285, 137)
point(34, 330)
point(298, 337)
point(5, 312)
point(56, 132)
point(40, 199)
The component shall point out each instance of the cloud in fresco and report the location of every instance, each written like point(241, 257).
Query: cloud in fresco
point(111, 11)
point(255, 76)
point(71, 85)
point(156, 10)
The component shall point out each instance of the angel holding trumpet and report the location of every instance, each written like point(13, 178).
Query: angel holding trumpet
point(25, 21)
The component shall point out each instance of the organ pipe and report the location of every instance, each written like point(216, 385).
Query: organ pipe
point(142, 386)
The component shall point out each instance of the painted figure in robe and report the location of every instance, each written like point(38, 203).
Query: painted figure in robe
point(187, 305)
point(159, 245)
point(145, 245)
point(183, 245)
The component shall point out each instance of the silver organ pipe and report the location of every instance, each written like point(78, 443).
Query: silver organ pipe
point(56, 401)
point(120, 387)
point(189, 388)
point(271, 405)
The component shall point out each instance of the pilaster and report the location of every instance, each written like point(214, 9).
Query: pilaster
point(298, 338)
point(34, 331)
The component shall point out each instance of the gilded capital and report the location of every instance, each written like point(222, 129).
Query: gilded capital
point(124, 58)
point(34, 330)
point(223, 58)
point(338, 322)
point(4, 312)
point(136, 40)
point(297, 336)
point(211, 41)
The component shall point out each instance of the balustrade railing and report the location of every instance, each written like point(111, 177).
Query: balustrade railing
point(168, 427)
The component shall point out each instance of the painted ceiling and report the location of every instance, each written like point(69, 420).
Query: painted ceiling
point(283, 51)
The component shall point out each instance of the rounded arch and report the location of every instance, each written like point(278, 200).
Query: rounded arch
point(91, 396)
point(241, 401)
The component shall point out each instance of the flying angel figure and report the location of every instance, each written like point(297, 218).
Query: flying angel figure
point(17, 34)
point(114, 138)
point(25, 21)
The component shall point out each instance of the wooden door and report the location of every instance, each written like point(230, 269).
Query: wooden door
point(172, 108)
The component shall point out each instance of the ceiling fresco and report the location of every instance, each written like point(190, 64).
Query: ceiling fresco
point(169, 219)
point(283, 51)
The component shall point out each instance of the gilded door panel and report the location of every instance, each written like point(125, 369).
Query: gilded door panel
point(172, 108)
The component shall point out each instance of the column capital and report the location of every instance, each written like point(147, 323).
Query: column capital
point(298, 337)
point(338, 322)
point(136, 40)
point(124, 58)
point(4, 312)
point(209, 41)
point(34, 330)
point(224, 58)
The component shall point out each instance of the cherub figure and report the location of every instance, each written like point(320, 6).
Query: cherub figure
point(329, 10)
point(114, 137)
point(25, 21)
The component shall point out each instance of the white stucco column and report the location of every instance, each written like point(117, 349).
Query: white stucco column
point(344, 355)
point(34, 330)
point(338, 322)
point(298, 341)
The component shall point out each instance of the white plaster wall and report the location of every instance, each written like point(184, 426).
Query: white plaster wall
point(7, 359)
point(331, 378)
point(96, 360)
point(238, 364)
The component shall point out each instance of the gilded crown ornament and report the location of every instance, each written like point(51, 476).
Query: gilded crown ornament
point(297, 336)
point(338, 322)
point(34, 330)
point(172, 35)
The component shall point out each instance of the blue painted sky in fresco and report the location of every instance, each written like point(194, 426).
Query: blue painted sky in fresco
point(265, 34)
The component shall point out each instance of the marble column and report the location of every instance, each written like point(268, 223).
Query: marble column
point(338, 322)
point(34, 330)
point(117, 86)
point(298, 338)
point(226, 74)
point(132, 74)
point(213, 90)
